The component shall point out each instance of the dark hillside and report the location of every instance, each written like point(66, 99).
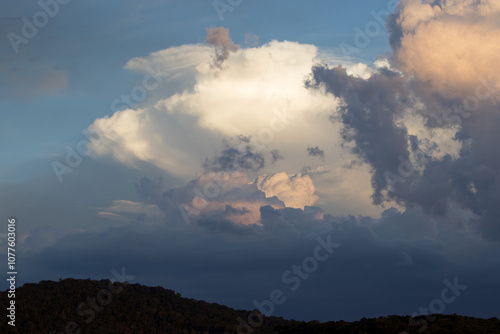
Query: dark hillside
point(86, 306)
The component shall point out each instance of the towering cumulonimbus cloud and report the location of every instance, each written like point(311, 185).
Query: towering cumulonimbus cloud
point(259, 95)
point(220, 40)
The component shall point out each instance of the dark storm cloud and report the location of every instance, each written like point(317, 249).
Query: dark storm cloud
point(404, 168)
point(475, 175)
point(369, 115)
point(452, 97)
point(315, 152)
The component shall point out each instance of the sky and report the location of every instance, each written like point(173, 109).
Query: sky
point(342, 153)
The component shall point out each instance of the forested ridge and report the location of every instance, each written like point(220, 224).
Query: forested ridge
point(88, 306)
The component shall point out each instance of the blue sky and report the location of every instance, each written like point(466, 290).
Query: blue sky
point(392, 154)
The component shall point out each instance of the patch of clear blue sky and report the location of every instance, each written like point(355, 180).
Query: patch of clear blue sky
point(92, 40)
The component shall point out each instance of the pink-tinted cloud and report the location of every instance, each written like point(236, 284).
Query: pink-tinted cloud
point(448, 44)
